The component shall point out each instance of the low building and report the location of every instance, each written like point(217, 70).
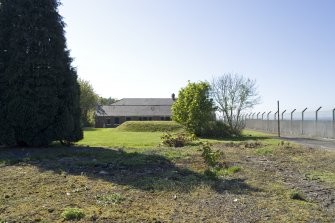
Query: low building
point(133, 109)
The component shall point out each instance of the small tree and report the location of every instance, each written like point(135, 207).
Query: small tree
point(88, 102)
point(232, 94)
point(193, 108)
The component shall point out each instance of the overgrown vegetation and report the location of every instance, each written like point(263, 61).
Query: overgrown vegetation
point(213, 159)
point(180, 139)
point(162, 184)
point(73, 214)
point(218, 129)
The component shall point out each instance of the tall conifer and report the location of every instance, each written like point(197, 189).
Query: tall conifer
point(39, 93)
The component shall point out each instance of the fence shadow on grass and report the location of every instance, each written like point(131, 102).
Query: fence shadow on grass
point(148, 172)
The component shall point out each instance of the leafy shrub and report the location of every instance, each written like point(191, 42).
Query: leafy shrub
point(213, 160)
point(73, 214)
point(194, 108)
point(219, 129)
point(177, 140)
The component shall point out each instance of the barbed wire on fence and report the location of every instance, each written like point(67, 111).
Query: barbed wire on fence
point(292, 115)
point(317, 123)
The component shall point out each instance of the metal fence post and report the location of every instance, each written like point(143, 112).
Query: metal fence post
point(334, 123)
point(291, 129)
point(263, 120)
point(282, 115)
point(316, 121)
point(292, 114)
point(257, 122)
point(268, 120)
point(316, 113)
point(302, 121)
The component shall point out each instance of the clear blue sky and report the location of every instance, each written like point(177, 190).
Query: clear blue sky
point(151, 48)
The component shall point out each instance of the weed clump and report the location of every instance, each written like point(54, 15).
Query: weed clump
point(177, 140)
point(215, 164)
point(297, 195)
point(213, 160)
point(232, 170)
point(73, 214)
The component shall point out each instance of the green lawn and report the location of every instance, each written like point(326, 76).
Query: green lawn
point(130, 136)
point(150, 126)
point(144, 134)
point(115, 138)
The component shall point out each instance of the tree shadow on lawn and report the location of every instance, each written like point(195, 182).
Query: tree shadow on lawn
point(145, 171)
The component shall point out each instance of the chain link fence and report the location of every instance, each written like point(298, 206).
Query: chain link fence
point(318, 123)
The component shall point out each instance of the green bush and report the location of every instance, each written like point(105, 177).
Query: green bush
point(193, 109)
point(177, 140)
point(213, 160)
point(217, 129)
point(73, 214)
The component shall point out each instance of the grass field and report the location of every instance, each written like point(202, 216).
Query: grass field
point(150, 126)
point(146, 134)
point(120, 139)
point(121, 176)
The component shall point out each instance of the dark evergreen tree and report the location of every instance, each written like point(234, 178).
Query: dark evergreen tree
point(39, 93)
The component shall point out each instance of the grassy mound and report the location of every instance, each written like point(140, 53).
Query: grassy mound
point(150, 126)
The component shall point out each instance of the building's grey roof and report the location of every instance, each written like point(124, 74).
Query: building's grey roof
point(144, 101)
point(138, 107)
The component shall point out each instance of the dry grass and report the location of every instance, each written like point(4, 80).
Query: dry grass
point(161, 184)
